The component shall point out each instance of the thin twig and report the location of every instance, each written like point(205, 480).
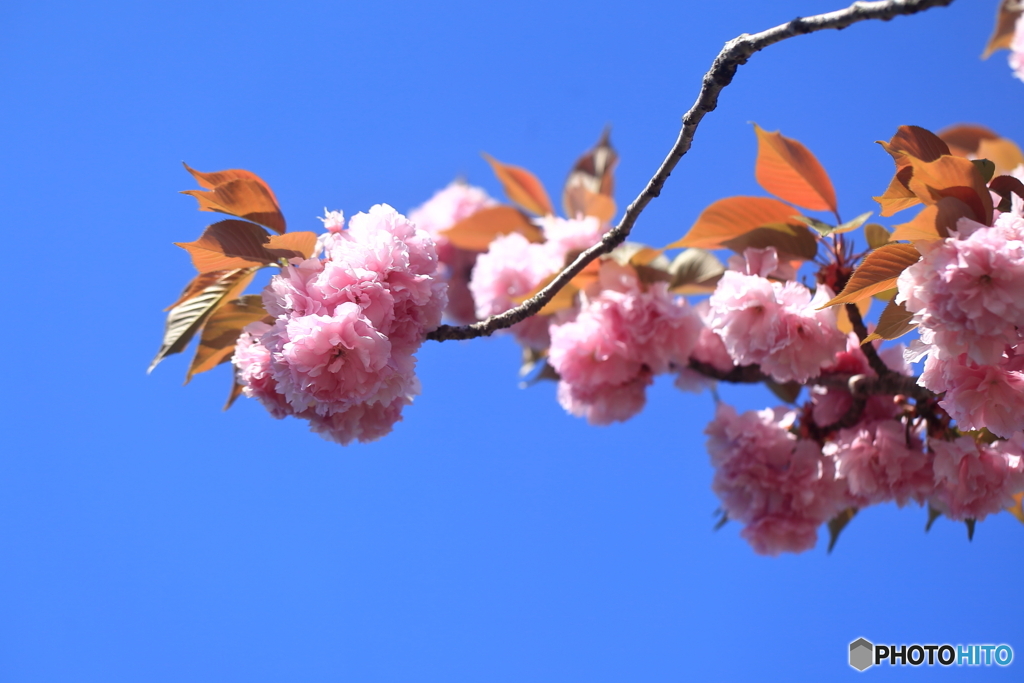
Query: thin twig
point(735, 53)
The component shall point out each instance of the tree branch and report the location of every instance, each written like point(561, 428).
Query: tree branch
point(735, 53)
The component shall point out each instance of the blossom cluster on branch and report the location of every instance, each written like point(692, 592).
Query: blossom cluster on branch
point(332, 338)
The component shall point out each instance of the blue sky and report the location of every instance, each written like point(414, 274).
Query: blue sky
point(147, 536)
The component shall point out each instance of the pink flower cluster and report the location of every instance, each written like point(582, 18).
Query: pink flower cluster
point(782, 488)
point(513, 267)
point(447, 207)
point(619, 340)
point(339, 352)
point(974, 480)
point(965, 294)
point(881, 460)
point(773, 324)
point(831, 403)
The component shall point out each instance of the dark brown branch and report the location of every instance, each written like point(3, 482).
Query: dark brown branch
point(735, 53)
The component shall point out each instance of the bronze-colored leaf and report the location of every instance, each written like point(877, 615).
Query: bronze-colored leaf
point(876, 235)
point(950, 176)
point(594, 173)
point(695, 271)
point(801, 244)
point(790, 171)
point(843, 322)
point(188, 317)
point(915, 142)
point(217, 342)
point(1017, 509)
point(1004, 153)
point(522, 187)
point(579, 201)
point(933, 222)
point(1004, 186)
point(963, 139)
point(837, 524)
point(229, 244)
point(478, 231)
point(731, 217)
point(238, 193)
point(877, 272)
point(894, 322)
point(292, 245)
point(1006, 20)
point(236, 390)
point(898, 196)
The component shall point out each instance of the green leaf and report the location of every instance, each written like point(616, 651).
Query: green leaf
point(876, 235)
point(788, 391)
point(695, 271)
point(986, 168)
point(894, 322)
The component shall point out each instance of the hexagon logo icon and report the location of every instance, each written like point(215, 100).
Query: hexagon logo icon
point(862, 654)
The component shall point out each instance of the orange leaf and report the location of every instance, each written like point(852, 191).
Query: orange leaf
point(894, 322)
point(579, 200)
point(915, 142)
point(189, 316)
point(843, 321)
point(522, 187)
point(877, 272)
point(963, 139)
point(788, 170)
point(236, 391)
point(950, 176)
point(592, 172)
point(291, 245)
point(934, 222)
point(229, 244)
point(221, 331)
point(238, 193)
point(1006, 20)
point(801, 244)
point(1017, 509)
point(478, 231)
point(1004, 186)
point(1004, 153)
point(733, 216)
point(897, 196)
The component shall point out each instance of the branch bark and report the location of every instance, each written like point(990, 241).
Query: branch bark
point(735, 53)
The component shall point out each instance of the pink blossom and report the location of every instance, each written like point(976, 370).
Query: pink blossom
point(976, 480)
point(340, 350)
point(775, 325)
point(364, 422)
point(564, 236)
point(512, 267)
point(781, 487)
point(447, 207)
point(966, 292)
point(977, 396)
point(605, 403)
point(252, 364)
point(882, 461)
point(616, 342)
